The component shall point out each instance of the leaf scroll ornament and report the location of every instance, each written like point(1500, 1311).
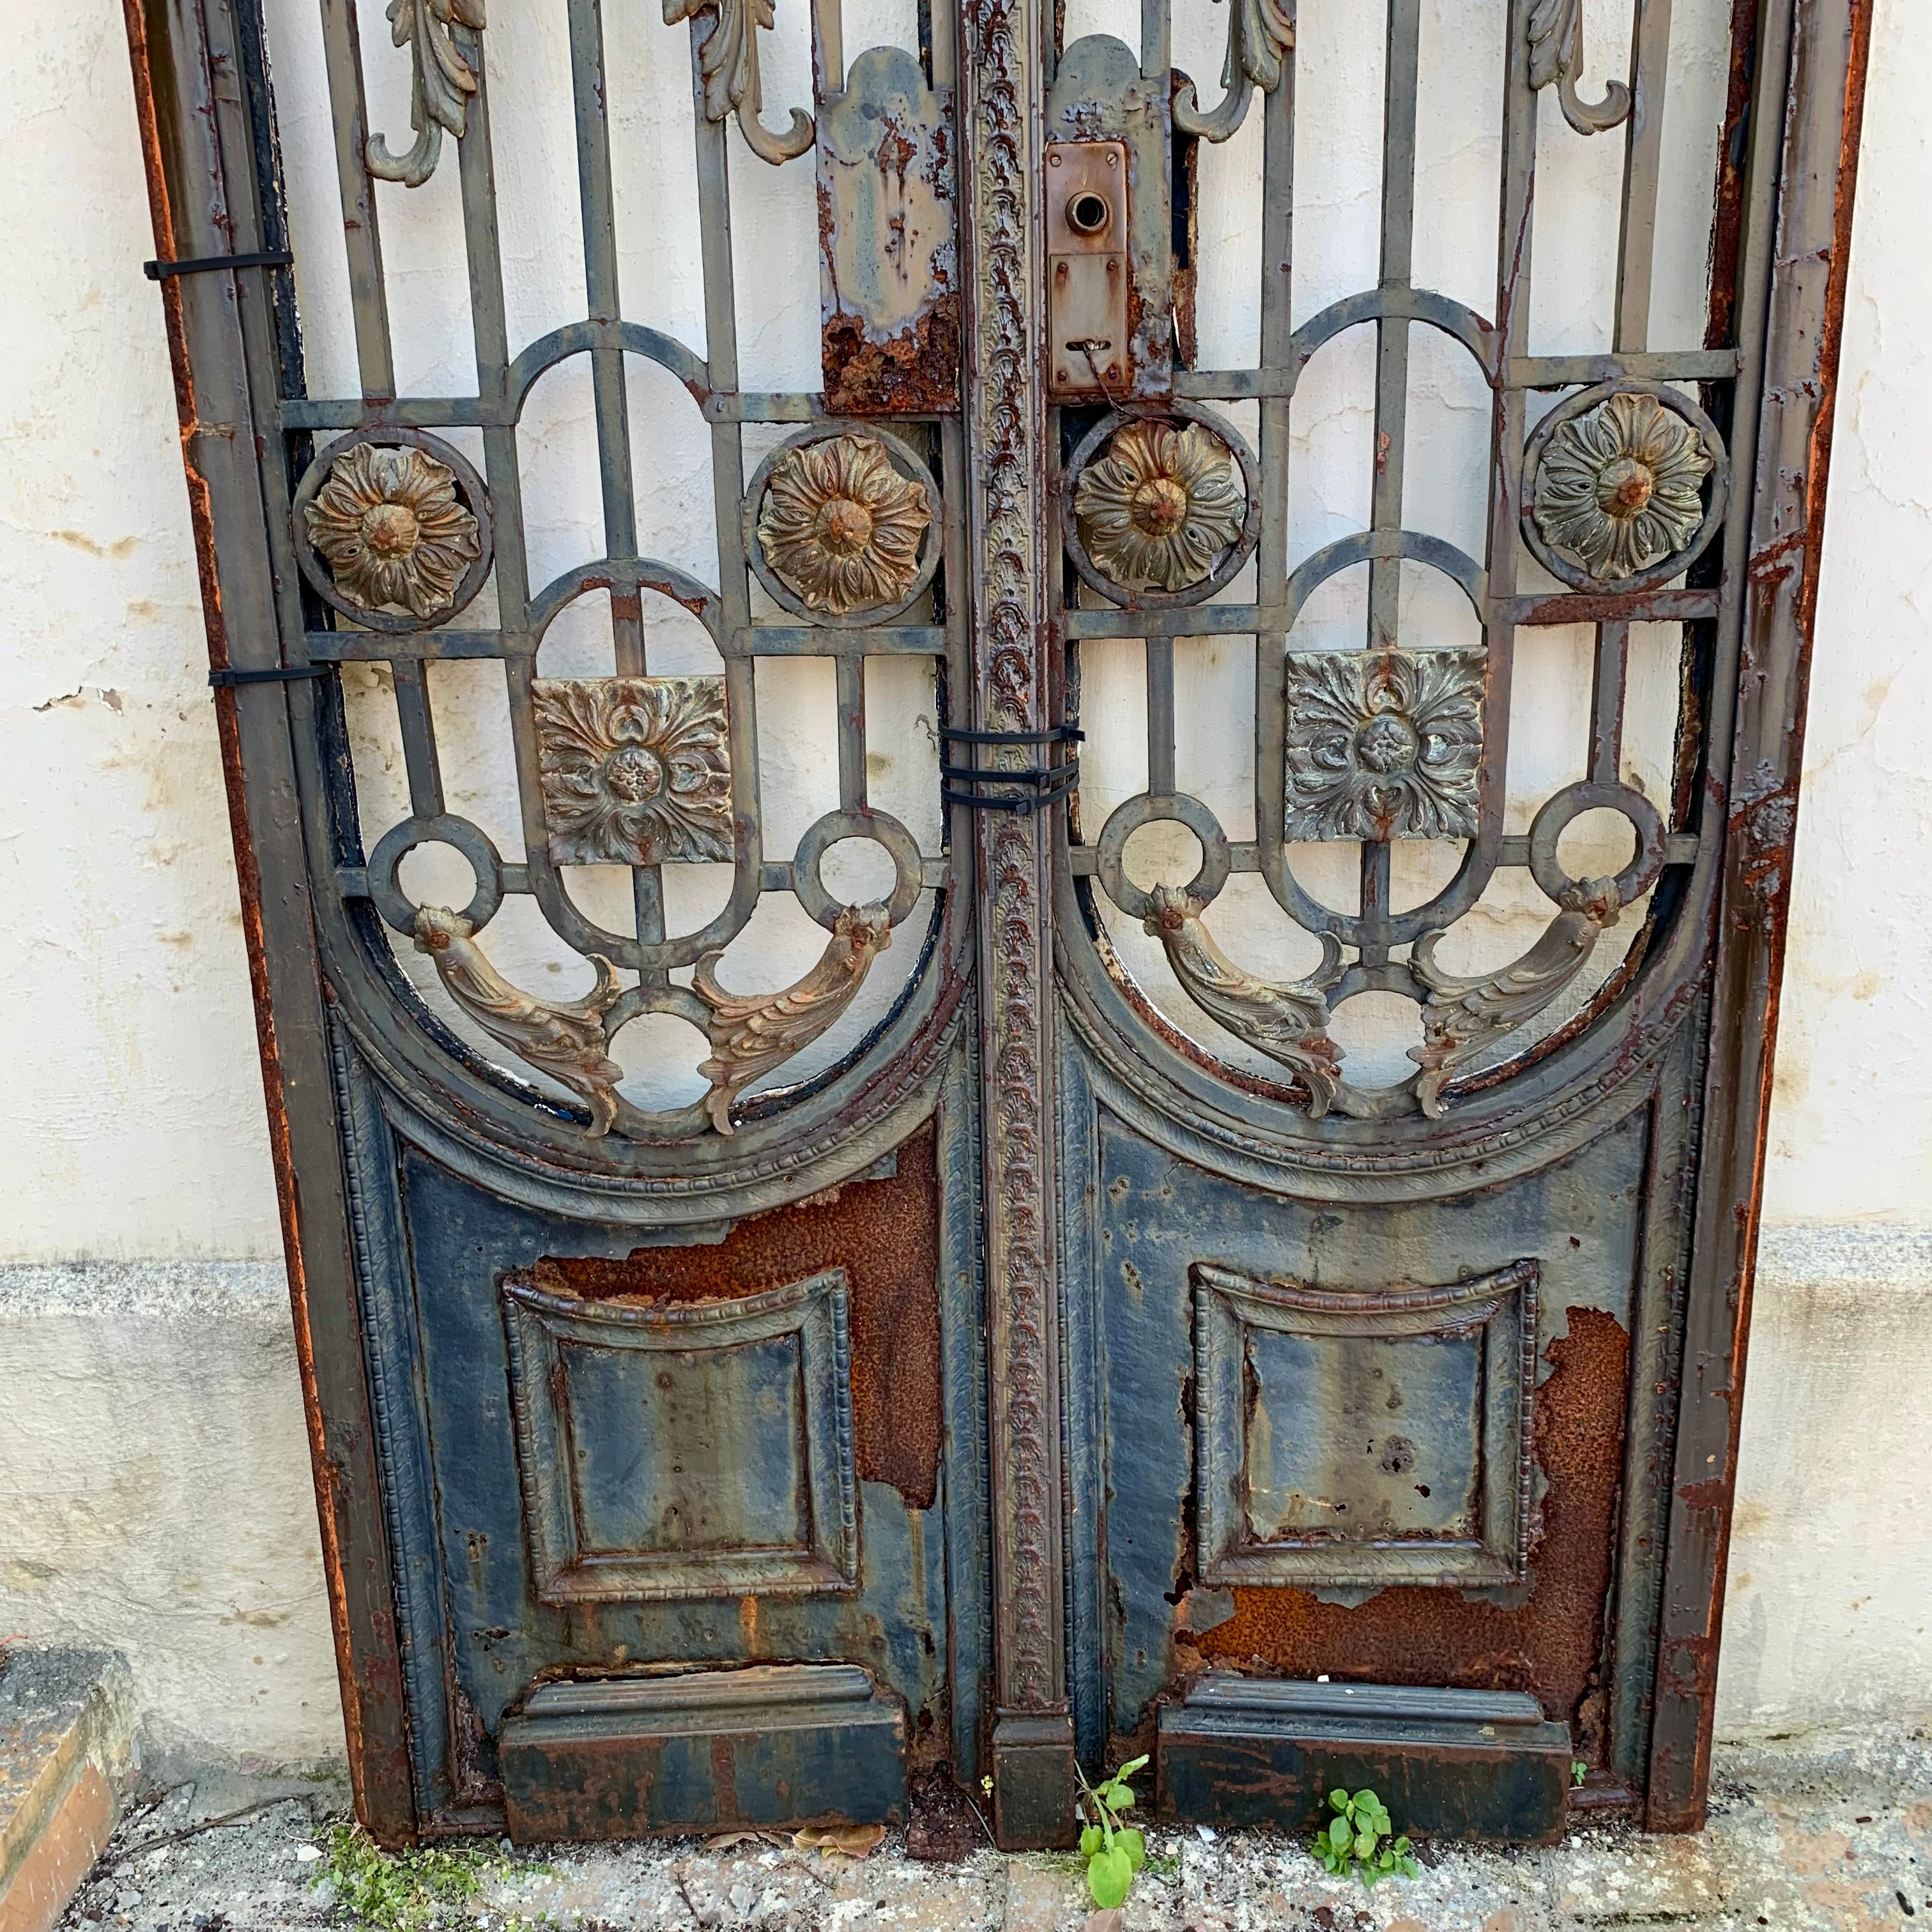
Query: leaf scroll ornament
point(1464, 1015)
point(441, 81)
point(568, 1043)
point(728, 65)
point(1287, 1021)
point(1556, 56)
point(1260, 32)
point(752, 1033)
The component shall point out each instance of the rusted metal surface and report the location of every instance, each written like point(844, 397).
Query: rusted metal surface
point(1824, 53)
point(578, 1370)
point(1550, 1643)
point(1449, 1764)
point(888, 249)
point(884, 1234)
point(704, 1751)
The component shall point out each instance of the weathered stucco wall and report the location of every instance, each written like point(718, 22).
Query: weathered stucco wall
point(153, 1469)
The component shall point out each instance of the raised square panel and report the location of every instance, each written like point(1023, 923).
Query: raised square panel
point(691, 1449)
point(1373, 1437)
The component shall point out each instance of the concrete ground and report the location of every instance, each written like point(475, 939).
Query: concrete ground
point(1831, 1833)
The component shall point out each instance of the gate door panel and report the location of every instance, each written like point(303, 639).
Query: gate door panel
point(1013, 809)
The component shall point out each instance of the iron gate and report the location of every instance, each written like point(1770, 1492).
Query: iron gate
point(1038, 1324)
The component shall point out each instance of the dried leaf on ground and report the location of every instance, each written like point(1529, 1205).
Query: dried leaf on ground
point(1112, 1920)
point(855, 1841)
point(723, 1841)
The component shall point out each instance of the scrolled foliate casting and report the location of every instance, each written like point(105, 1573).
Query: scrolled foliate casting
point(634, 770)
point(752, 1033)
point(1617, 486)
point(841, 527)
point(396, 536)
point(727, 63)
point(1260, 32)
point(569, 1043)
point(441, 81)
point(1286, 1020)
point(1384, 744)
point(1556, 58)
point(1159, 508)
point(1464, 1014)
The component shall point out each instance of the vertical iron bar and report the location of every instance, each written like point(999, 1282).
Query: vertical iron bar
point(1160, 715)
point(1277, 346)
point(368, 302)
point(849, 668)
point(1606, 701)
point(1399, 84)
point(411, 676)
point(1643, 161)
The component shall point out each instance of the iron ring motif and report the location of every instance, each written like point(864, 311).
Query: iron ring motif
point(398, 908)
point(880, 829)
point(1152, 809)
point(835, 536)
point(1603, 449)
point(413, 532)
point(1556, 812)
point(1167, 494)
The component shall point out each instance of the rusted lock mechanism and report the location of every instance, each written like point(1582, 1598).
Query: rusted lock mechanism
point(1110, 267)
point(1087, 266)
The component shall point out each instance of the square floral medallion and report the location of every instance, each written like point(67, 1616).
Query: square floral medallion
point(635, 769)
point(1384, 744)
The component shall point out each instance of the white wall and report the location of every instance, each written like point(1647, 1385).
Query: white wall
point(132, 1130)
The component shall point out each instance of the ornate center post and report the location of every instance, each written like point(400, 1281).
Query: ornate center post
point(1003, 83)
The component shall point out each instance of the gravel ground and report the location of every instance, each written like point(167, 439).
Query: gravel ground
point(1830, 1832)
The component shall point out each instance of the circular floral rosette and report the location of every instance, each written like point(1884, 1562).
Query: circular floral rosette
point(1155, 512)
point(841, 527)
point(393, 529)
point(1615, 491)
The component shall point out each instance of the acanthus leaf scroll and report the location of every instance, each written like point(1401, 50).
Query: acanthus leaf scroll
point(1556, 59)
point(752, 1033)
point(441, 81)
point(1287, 1021)
point(1260, 33)
point(569, 1043)
point(1466, 1013)
point(727, 66)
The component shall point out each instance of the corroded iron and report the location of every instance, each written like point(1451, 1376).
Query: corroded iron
point(1012, 1373)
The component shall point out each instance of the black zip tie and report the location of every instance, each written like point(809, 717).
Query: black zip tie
point(1049, 785)
point(226, 680)
point(1055, 734)
point(199, 265)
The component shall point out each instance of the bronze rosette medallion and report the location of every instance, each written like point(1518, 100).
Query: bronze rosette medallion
point(841, 525)
point(393, 529)
point(1624, 487)
point(1161, 505)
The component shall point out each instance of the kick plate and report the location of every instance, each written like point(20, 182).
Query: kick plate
point(704, 1751)
point(1452, 1764)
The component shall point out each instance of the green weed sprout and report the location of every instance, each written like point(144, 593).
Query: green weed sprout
point(1358, 1839)
point(1114, 1852)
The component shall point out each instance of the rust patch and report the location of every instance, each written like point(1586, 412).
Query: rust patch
point(916, 373)
point(885, 1234)
point(1551, 1645)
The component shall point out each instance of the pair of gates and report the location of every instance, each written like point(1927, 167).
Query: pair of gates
point(1038, 1321)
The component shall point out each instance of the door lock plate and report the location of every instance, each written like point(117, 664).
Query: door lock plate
point(1087, 266)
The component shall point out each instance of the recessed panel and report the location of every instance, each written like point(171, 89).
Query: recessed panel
point(685, 1449)
point(1352, 1436)
point(694, 1450)
point(1363, 1436)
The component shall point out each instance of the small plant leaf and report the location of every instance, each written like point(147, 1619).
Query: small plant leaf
point(1108, 1875)
point(1133, 1842)
point(1132, 1765)
point(1341, 1835)
point(1338, 1799)
point(1089, 1840)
